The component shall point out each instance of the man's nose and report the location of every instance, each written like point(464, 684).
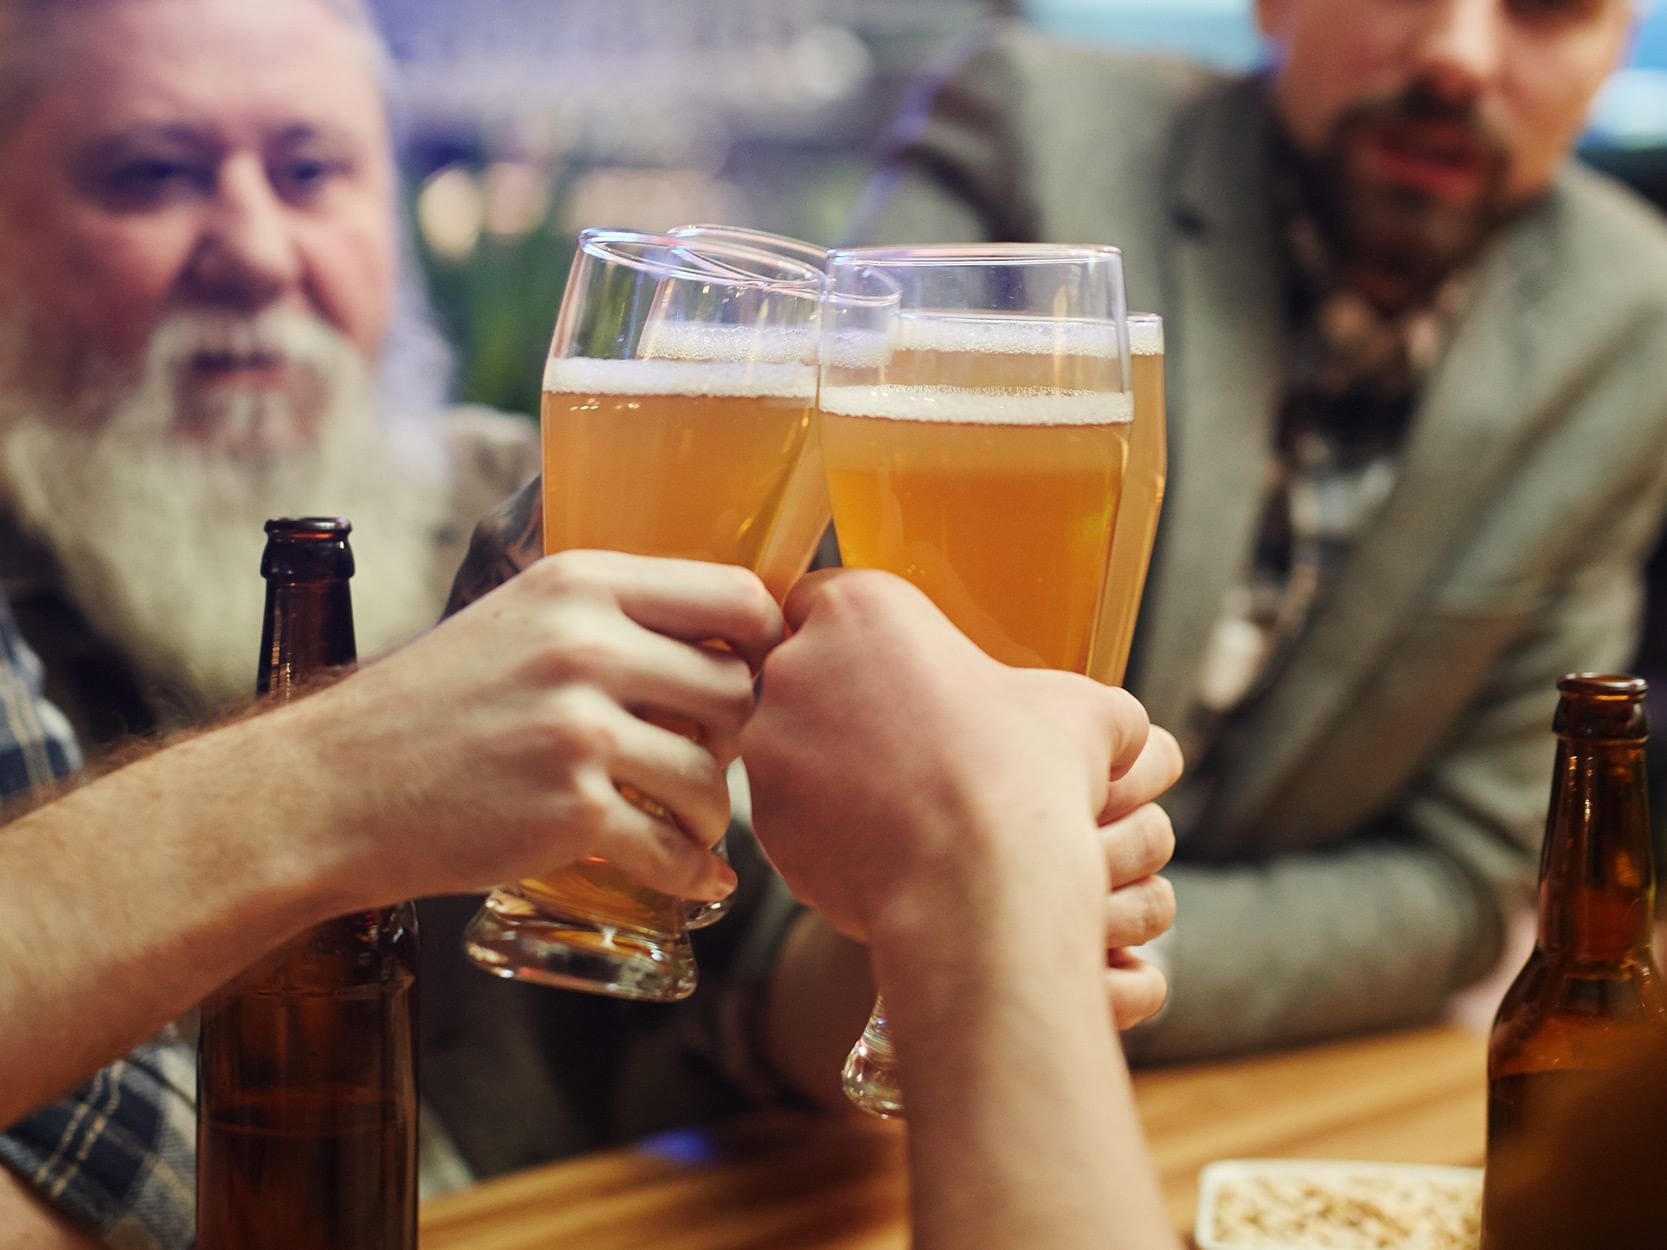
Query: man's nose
point(1461, 47)
point(245, 257)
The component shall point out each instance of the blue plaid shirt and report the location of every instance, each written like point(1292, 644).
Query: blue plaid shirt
point(118, 1155)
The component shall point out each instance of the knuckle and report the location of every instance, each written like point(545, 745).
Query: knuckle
point(662, 852)
point(732, 671)
point(577, 725)
point(872, 588)
point(1124, 708)
point(1137, 993)
point(864, 592)
point(703, 776)
point(581, 653)
point(1160, 904)
point(1157, 834)
point(708, 819)
point(587, 806)
point(665, 850)
point(567, 574)
point(1169, 751)
point(750, 610)
point(1125, 719)
point(578, 641)
point(1156, 992)
point(763, 612)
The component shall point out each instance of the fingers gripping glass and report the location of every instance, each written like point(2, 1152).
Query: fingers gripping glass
point(676, 407)
point(975, 435)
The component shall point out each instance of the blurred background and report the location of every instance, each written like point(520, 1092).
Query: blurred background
point(524, 120)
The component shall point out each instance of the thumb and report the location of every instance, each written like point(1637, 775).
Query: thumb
point(807, 592)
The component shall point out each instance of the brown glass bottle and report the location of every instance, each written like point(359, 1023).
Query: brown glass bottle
point(306, 1081)
point(1590, 996)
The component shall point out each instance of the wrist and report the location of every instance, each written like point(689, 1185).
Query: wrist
point(1014, 995)
point(988, 880)
point(960, 946)
point(315, 843)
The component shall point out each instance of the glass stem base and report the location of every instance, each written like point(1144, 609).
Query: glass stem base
point(870, 1077)
point(511, 936)
point(703, 914)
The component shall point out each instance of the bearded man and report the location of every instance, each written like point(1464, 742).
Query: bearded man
point(201, 326)
point(1418, 401)
point(199, 258)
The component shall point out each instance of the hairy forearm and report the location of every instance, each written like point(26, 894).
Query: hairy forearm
point(126, 901)
point(1022, 1125)
point(28, 1223)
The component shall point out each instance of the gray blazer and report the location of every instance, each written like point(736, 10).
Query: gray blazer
point(1377, 812)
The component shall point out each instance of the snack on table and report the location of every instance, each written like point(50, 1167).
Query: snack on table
point(1282, 1205)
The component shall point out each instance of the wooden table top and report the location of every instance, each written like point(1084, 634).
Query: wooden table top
point(786, 1182)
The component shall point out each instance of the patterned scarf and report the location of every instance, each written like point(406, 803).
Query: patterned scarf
point(1352, 381)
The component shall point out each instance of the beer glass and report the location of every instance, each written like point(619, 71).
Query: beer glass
point(677, 404)
point(1137, 513)
point(756, 240)
point(975, 435)
point(798, 537)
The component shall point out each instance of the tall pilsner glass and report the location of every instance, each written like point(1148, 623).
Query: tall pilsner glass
point(975, 435)
point(677, 406)
point(795, 541)
point(1137, 514)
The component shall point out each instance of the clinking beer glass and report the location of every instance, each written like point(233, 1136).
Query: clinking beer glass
point(975, 435)
point(676, 408)
point(797, 539)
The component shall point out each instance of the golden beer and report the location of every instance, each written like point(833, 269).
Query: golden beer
point(1137, 515)
point(726, 438)
point(595, 888)
point(1000, 504)
point(973, 420)
point(729, 439)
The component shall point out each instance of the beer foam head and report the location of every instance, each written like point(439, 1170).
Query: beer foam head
point(729, 379)
point(733, 344)
point(858, 349)
point(1009, 336)
point(963, 406)
point(1146, 336)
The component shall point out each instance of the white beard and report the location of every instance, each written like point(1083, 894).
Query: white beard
point(159, 536)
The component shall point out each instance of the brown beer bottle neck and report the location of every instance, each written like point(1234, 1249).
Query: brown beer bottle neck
point(1597, 872)
point(308, 626)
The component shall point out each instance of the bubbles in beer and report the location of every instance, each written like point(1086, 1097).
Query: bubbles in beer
point(962, 406)
point(988, 369)
point(666, 339)
point(857, 349)
point(1000, 335)
point(691, 378)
